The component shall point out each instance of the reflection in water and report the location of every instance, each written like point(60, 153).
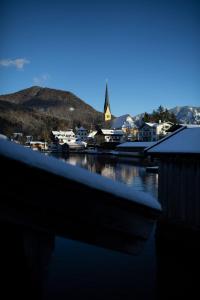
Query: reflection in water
point(81, 271)
point(33, 268)
point(117, 169)
point(75, 268)
point(24, 259)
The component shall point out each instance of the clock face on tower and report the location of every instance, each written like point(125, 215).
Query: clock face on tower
point(107, 114)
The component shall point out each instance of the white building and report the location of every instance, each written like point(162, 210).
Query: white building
point(82, 134)
point(109, 135)
point(63, 137)
point(153, 131)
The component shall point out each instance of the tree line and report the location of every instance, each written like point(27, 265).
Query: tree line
point(160, 114)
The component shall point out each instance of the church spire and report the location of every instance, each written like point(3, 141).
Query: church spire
point(107, 111)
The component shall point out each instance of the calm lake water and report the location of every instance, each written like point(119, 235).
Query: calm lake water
point(126, 170)
point(159, 270)
point(81, 271)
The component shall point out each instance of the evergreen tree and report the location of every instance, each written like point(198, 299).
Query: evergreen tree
point(146, 117)
point(162, 114)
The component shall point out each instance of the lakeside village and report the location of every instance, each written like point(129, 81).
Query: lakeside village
point(175, 148)
point(121, 137)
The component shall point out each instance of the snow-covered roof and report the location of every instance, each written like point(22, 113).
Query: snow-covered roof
point(77, 174)
point(81, 129)
point(190, 125)
point(155, 125)
point(37, 142)
point(112, 132)
point(136, 144)
point(184, 140)
point(63, 133)
point(92, 134)
point(151, 124)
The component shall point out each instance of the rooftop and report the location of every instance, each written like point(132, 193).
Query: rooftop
point(184, 140)
point(136, 144)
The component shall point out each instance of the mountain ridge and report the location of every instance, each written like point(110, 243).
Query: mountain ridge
point(184, 115)
point(44, 109)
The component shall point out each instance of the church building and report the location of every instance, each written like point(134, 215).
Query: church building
point(107, 111)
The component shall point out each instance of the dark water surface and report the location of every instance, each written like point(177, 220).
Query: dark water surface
point(39, 264)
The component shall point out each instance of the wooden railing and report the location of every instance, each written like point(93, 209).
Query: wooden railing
point(42, 191)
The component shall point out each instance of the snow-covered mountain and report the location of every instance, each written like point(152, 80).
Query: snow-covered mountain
point(138, 119)
point(184, 115)
point(187, 114)
point(123, 121)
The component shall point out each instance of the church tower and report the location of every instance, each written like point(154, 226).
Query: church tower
point(107, 111)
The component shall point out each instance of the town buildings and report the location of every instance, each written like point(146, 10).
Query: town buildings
point(153, 131)
point(62, 137)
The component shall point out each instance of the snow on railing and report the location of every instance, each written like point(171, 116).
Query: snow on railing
point(76, 174)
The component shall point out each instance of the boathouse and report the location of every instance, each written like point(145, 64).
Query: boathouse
point(179, 176)
point(108, 138)
point(133, 148)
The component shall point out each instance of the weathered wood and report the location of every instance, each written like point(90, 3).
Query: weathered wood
point(179, 189)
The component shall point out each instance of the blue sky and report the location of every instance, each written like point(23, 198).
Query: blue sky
point(148, 50)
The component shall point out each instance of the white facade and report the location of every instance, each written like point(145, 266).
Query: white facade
point(63, 137)
point(110, 135)
point(113, 135)
point(82, 134)
point(153, 131)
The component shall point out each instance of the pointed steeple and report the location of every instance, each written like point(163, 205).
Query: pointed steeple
point(107, 111)
point(107, 103)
